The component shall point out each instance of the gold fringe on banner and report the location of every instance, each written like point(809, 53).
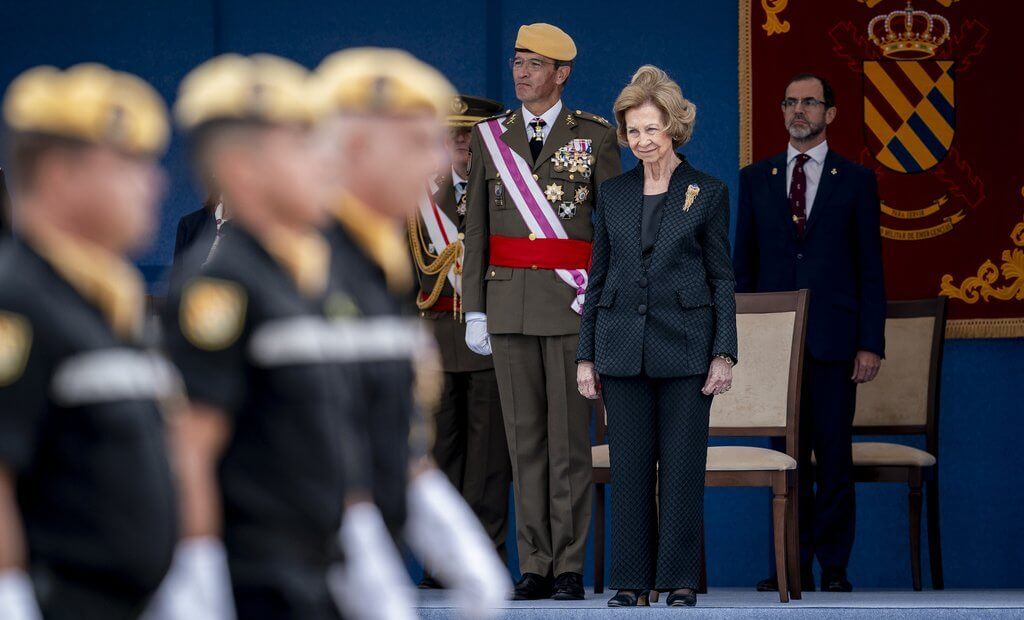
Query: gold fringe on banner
point(745, 86)
point(985, 328)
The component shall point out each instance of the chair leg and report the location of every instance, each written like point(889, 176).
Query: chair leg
point(934, 538)
point(915, 527)
point(779, 503)
point(793, 544)
point(599, 539)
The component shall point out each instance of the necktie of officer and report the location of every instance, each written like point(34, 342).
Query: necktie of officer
point(798, 193)
point(537, 139)
point(460, 191)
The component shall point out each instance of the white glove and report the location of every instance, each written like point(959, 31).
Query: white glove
point(448, 538)
point(17, 598)
point(198, 586)
point(477, 338)
point(372, 584)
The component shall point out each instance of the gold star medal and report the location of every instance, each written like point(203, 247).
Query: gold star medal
point(581, 195)
point(15, 343)
point(212, 313)
point(691, 195)
point(553, 192)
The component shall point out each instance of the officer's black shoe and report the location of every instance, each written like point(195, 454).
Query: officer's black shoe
point(568, 587)
point(532, 587)
point(629, 598)
point(834, 580)
point(429, 583)
point(771, 584)
point(683, 597)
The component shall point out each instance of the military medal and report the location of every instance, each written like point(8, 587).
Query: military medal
point(499, 194)
point(554, 192)
point(581, 195)
point(566, 210)
point(461, 207)
point(691, 195)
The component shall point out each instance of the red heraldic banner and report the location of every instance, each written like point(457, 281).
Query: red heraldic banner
point(928, 95)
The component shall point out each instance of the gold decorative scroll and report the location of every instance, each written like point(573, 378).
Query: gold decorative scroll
point(986, 285)
point(916, 214)
point(923, 233)
point(772, 24)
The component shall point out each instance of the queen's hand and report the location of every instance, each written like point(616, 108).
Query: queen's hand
point(587, 380)
point(719, 377)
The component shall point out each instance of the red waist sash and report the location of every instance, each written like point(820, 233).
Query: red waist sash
point(527, 253)
point(444, 303)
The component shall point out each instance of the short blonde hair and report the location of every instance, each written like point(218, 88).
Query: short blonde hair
point(652, 85)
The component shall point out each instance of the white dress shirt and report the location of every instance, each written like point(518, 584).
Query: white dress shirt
point(812, 169)
point(549, 119)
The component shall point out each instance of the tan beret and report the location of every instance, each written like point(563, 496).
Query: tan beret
point(546, 40)
point(381, 81)
point(89, 102)
point(261, 88)
point(468, 110)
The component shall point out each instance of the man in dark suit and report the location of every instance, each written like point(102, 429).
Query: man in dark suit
point(469, 444)
point(199, 234)
point(809, 218)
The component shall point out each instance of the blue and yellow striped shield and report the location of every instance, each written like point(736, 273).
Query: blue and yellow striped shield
point(909, 112)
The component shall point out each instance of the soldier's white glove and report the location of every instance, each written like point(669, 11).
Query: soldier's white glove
point(477, 338)
point(198, 586)
point(448, 538)
point(372, 584)
point(17, 598)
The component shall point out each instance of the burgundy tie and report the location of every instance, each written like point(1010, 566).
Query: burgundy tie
point(798, 194)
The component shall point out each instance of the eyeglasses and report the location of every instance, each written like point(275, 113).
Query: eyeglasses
point(531, 64)
point(806, 102)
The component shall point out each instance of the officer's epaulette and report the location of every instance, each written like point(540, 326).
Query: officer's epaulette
point(592, 117)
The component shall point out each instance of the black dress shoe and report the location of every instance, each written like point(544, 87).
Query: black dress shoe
point(568, 587)
point(771, 584)
point(682, 598)
point(834, 580)
point(532, 587)
point(629, 598)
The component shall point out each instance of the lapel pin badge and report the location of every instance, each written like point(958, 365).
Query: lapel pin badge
point(775, 171)
point(691, 194)
point(834, 171)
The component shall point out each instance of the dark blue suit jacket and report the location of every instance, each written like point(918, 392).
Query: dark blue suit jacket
point(839, 257)
point(192, 244)
point(670, 319)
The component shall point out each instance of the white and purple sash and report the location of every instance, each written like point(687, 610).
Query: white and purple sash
point(441, 230)
point(530, 201)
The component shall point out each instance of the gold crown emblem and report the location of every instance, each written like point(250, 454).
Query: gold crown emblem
point(459, 106)
point(918, 38)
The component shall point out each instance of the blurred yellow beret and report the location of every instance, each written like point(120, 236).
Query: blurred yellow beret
point(261, 88)
point(546, 40)
point(381, 81)
point(89, 102)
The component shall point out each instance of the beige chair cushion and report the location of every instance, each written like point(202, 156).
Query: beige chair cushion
point(761, 380)
point(747, 458)
point(724, 458)
point(877, 453)
point(899, 395)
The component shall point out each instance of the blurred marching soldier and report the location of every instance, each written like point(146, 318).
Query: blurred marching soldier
point(469, 443)
point(260, 449)
point(528, 233)
point(386, 132)
point(87, 510)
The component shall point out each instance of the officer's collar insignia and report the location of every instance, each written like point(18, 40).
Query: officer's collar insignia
point(212, 313)
point(340, 306)
point(570, 119)
point(15, 343)
point(511, 118)
point(691, 195)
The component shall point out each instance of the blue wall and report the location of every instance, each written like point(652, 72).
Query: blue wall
point(982, 503)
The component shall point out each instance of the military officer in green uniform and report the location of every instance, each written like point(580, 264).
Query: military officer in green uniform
point(532, 189)
point(469, 438)
point(87, 506)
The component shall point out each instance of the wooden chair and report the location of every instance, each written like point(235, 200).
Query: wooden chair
point(904, 400)
point(764, 402)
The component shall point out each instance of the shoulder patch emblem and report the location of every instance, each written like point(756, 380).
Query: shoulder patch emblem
point(15, 344)
point(212, 313)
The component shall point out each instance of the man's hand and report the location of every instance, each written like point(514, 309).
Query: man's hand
point(865, 366)
point(477, 338)
point(587, 380)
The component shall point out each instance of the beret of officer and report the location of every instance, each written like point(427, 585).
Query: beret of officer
point(546, 40)
point(261, 88)
point(382, 81)
point(91, 103)
point(468, 110)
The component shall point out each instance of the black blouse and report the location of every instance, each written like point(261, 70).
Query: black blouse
point(651, 220)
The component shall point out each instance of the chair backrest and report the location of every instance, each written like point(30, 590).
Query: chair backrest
point(904, 397)
point(765, 395)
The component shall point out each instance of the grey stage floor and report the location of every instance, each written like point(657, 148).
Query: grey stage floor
point(746, 603)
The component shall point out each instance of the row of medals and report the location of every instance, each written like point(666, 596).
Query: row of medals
point(577, 162)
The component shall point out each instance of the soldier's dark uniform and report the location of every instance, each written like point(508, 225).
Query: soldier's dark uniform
point(82, 431)
point(469, 446)
point(281, 476)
